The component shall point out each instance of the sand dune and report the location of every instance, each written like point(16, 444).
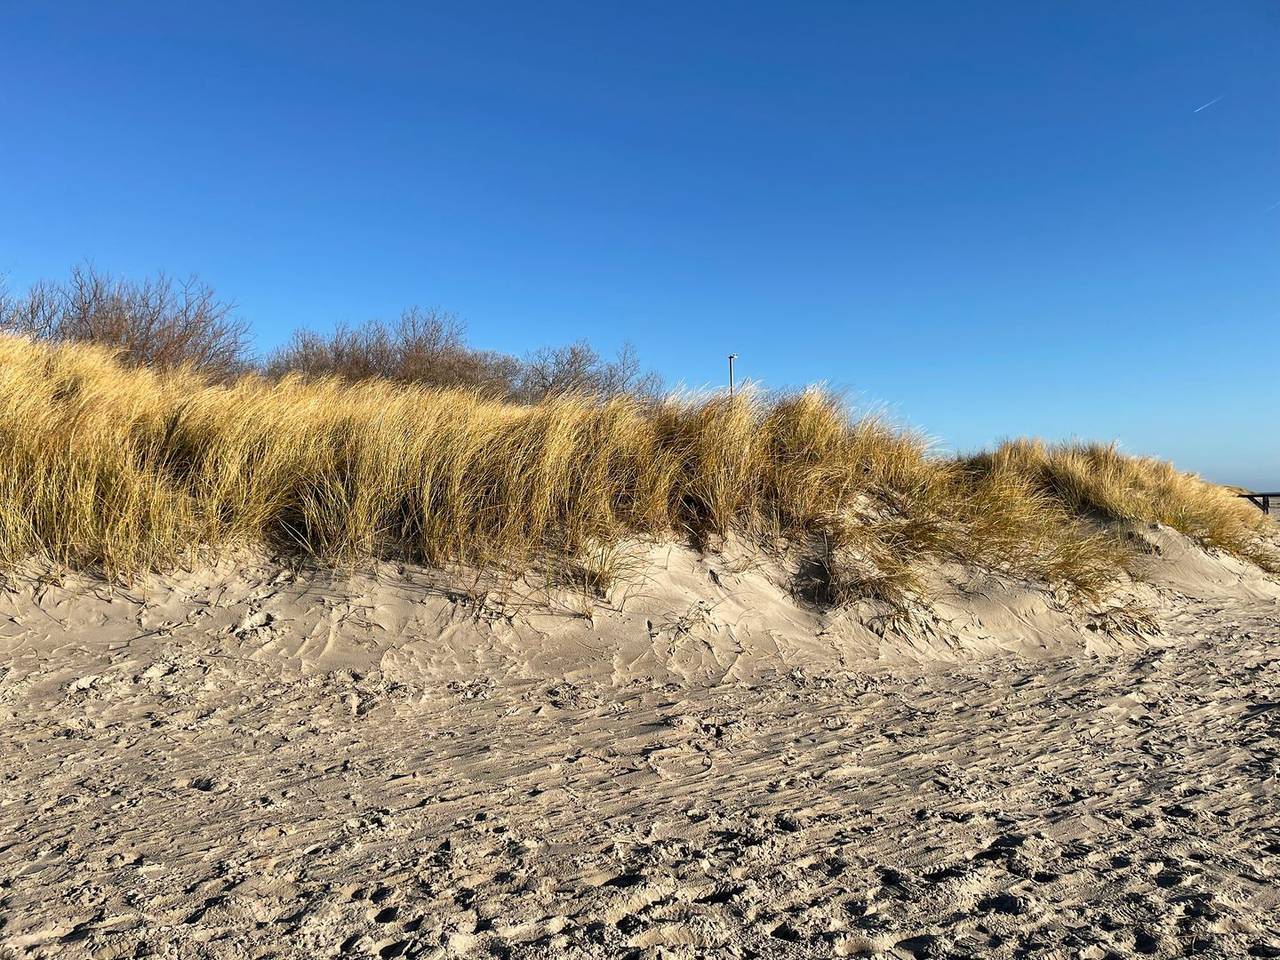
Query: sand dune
point(250, 761)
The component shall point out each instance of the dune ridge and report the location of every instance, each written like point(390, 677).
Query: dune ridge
point(123, 469)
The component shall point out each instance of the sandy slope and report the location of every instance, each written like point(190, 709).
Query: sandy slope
point(256, 762)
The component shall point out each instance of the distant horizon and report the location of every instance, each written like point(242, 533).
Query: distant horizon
point(1060, 224)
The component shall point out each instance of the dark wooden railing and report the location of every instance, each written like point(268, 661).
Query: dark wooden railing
point(1261, 500)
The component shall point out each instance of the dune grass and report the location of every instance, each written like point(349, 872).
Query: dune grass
point(122, 469)
point(1096, 480)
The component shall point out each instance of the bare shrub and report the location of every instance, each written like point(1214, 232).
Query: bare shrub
point(156, 322)
point(428, 348)
point(578, 368)
point(424, 347)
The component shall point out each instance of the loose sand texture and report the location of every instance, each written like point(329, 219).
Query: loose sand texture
point(255, 761)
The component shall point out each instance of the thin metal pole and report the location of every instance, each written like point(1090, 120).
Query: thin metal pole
point(732, 357)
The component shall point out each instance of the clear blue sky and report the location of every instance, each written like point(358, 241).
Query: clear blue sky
point(994, 218)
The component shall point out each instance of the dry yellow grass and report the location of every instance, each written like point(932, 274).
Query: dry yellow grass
point(1097, 481)
point(122, 469)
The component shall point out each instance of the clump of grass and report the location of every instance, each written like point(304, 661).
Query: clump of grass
point(1097, 481)
point(120, 468)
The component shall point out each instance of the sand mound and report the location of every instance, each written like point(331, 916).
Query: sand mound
point(682, 617)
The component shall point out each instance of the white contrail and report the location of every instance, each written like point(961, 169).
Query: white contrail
point(1205, 105)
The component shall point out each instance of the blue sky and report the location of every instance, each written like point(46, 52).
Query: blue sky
point(994, 219)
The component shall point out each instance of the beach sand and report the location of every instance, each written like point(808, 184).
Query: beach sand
point(252, 761)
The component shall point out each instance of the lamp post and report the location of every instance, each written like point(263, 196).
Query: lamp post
point(732, 357)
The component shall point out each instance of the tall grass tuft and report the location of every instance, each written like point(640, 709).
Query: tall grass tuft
point(1096, 480)
point(122, 468)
